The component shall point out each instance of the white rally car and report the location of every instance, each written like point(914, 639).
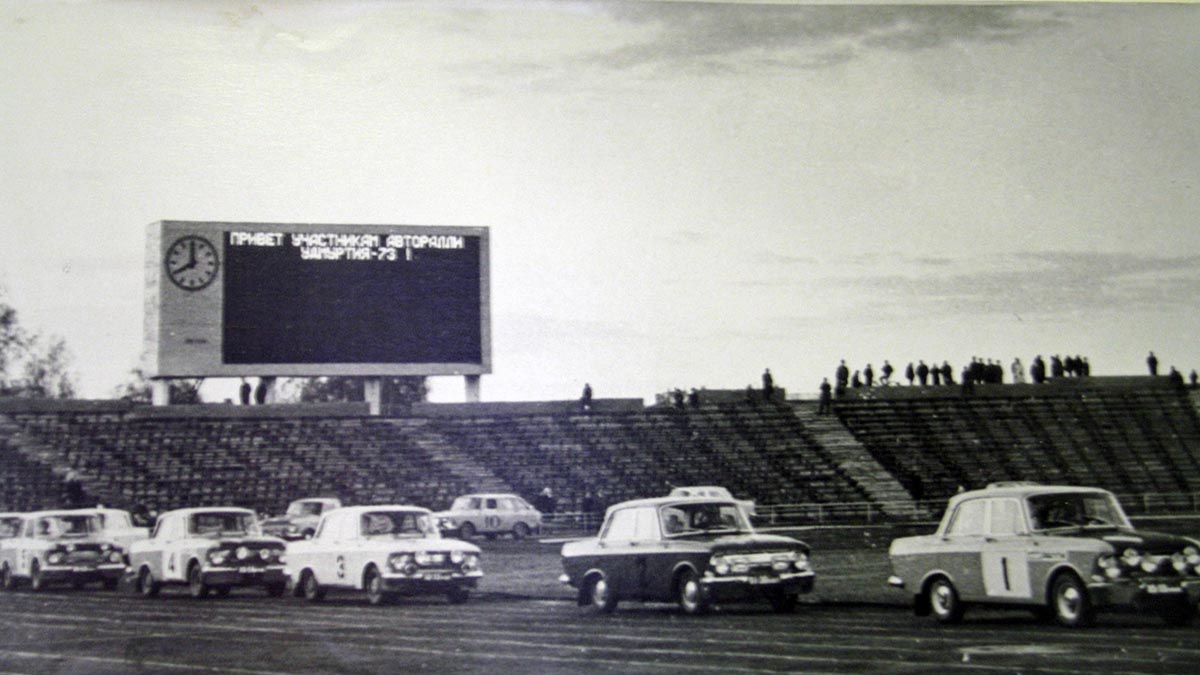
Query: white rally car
point(209, 549)
point(59, 547)
point(490, 515)
point(386, 551)
point(117, 526)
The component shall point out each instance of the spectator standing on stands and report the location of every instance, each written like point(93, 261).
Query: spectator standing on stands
point(922, 373)
point(693, 398)
point(245, 392)
point(585, 401)
point(1152, 363)
point(825, 405)
point(1175, 377)
point(856, 381)
point(1085, 368)
point(260, 392)
point(546, 503)
point(947, 373)
point(1037, 370)
point(1056, 367)
point(887, 371)
point(869, 375)
point(842, 375)
point(1193, 378)
point(1018, 371)
point(768, 385)
point(936, 373)
point(908, 373)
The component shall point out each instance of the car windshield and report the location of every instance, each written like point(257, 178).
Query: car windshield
point(305, 509)
point(9, 527)
point(114, 520)
point(217, 523)
point(52, 527)
point(681, 520)
point(398, 525)
point(465, 504)
point(1076, 509)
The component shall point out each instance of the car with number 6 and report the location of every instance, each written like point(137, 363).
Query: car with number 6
point(696, 551)
point(58, 547)
point(208, 550)
point(1064, 552)
point(384, 551)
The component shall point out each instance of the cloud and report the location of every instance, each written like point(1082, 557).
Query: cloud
point(809, 36)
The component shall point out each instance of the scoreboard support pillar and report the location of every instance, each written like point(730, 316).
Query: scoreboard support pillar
point(472, 387)
point(373, 394)
point(160, 392)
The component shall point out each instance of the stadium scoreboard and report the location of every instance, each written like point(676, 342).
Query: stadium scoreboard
point(238, 299)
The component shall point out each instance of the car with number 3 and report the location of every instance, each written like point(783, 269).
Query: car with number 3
point(385, 551)
point(1064, 552)
point(51, 547)
point(208, 550)
point(696, 551)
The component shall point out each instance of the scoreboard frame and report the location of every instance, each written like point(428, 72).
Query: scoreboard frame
point(185, 272)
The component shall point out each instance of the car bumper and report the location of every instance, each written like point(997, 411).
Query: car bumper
point(1145, 593)
point(82, 573)
point(245, 576)
point(427, 581)
point(791, 583)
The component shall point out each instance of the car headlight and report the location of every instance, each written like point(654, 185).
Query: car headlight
point(1192, 555)
point(456, 557)
point(423, 558)
point(54, 558)
point(291, 529)
point(470, 562)
point(1131, 558)
point(1151, 564)
point(115, 556)
point(218, 556)
point(801, 561)
point(1180, 563)
point(402, 562)
point(242, 552)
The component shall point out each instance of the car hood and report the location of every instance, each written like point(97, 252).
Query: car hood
point(1158, 543)
point(751, 542)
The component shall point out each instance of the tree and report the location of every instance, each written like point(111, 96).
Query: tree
point(396, 391)
point(31, 366)
point(137, 389)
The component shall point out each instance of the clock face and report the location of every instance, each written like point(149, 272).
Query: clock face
point(192, 263)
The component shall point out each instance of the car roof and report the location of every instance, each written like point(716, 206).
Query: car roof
point(323, 500)
point(490, 495)
point(208, 509)
point(56, 512)
point(662, 501)
point(1023, 490)
point(381, 507)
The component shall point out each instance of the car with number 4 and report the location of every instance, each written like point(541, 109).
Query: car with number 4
point(58, 547)
point(696, 551)
point(384, 551)
point(208, 550)
point(490, 515)
point(1064, 552)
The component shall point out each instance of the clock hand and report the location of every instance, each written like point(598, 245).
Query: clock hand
point(191, 253)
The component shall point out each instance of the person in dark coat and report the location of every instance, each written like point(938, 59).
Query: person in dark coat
point(922, 373)
point(1152, 363)
point(825, 405)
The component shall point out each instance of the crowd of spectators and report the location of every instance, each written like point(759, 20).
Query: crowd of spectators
point(978, 372)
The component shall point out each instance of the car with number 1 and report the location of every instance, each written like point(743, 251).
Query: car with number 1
point(385, 552)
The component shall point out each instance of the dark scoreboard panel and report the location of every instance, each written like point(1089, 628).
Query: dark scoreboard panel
point(351, 299)
point(288, 299)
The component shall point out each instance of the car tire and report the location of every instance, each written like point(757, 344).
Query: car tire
point(1070, 602)
point(458, 595)
point(36, 582)
point(690, 594)
point(311, 589)
point(944, 602)
point(1182, 613)
point(601, 596)
point(7, 582)
point(196, 586)
point(466, 531)
point(783, 602)
point(520, 531)
point(146, 586)
point(376, 595)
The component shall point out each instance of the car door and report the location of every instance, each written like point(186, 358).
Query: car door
point(618, 556)
point(492, 515)
point(1005, 552)
point(167, 544)
point(958, 550)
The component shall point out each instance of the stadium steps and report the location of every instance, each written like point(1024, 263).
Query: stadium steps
point(32, 474)
point(854, 459)
point(439, 449)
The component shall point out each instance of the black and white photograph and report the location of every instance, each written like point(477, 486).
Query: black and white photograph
point(599, 336)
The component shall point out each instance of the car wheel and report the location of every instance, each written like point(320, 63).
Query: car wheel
point(375, 593)
point(690, 594)
point(520, 531)
point(944, 602)
point(458, 595)
point(1070, 602)
point(7, 582)
point(466, 531)
point(601, 595)
point(112, 584)
point(196, 586)
point(783, 602)
point(312, 590)
point(1181, 613)
point(146, 585)
point(36, 582)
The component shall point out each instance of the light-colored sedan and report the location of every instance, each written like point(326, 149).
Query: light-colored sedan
point(490, 515)
point(386, 551)
point(211, 549)
point(59, 547)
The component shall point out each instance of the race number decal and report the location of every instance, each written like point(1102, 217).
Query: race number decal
point(341, 567)
point(491, 522)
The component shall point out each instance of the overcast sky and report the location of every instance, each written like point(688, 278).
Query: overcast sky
point(679, 194)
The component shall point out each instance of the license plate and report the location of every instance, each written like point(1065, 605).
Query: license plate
point(1160, 589)
point(437, 575)
point(250, 570)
